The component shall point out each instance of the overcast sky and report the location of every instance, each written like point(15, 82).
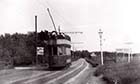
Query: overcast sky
point(118, 19)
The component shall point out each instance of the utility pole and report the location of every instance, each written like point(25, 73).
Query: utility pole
point(100, 35)
point(36, 56)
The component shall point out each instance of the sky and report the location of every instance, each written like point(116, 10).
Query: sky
point(118, 19)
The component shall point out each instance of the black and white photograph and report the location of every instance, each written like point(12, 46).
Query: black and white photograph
point(69, 42)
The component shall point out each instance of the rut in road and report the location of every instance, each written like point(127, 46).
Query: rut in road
point(65, 78)
point(44, 77)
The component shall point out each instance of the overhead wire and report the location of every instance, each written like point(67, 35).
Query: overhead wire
point(58, 15)
point(54, 8)
point(44, 7)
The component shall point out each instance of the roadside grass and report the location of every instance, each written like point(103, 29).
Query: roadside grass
point(94, 64)
point(121, 73)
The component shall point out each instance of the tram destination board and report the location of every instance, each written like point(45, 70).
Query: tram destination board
point(40, 50)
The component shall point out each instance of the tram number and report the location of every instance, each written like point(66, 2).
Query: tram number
point(40, 50)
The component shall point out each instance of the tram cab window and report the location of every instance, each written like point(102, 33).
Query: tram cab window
point(61, 50)
point(68, 52)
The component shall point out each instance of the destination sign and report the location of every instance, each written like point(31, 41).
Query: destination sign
point(40, 50)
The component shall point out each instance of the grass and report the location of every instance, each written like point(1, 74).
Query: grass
point(123, 73)
point(94, 64)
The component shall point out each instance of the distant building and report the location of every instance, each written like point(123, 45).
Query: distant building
point(93, 54)
point(136, 57)
point(121, 57)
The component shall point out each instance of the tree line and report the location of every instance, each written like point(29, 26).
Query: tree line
point(19, 49)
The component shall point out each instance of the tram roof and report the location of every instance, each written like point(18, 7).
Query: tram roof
point(59, 36)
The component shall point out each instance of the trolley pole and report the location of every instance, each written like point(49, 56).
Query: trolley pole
point(51, 19)
point(100, 35)
point(36, 56)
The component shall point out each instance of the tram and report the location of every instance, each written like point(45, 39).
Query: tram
point(59, 50)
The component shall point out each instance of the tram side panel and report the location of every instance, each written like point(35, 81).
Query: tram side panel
point(59, 55)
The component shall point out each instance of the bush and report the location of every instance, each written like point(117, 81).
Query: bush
point(126, 73)
point(93, 63)
point(17, 49)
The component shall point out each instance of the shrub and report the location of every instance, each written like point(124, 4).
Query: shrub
point(126, 73)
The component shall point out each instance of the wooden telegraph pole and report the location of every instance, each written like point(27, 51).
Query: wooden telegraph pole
point(36, 56)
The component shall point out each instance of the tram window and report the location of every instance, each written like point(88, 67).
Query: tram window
point(64, 50)
point(54, 50)
point(61, 50)
point(68, 52)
